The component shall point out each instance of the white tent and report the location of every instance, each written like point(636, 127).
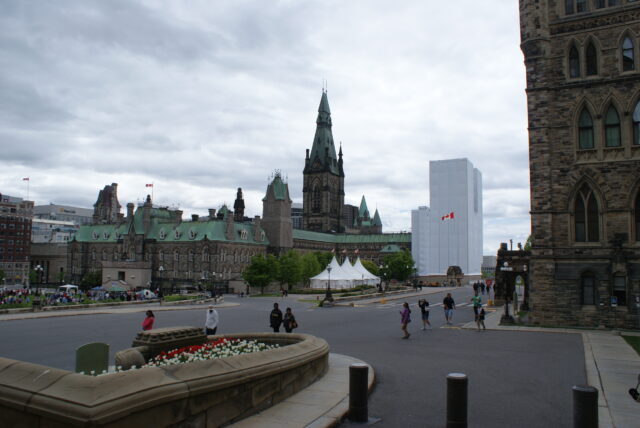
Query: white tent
point(369, 278)
point(353, 273)
point(339, 279)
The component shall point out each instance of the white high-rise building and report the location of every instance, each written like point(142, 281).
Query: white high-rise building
point(449, 232)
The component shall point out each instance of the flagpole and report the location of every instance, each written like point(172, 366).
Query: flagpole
point(152, 189)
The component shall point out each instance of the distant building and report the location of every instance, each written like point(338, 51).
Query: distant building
point(296, 215)
point(67, 213)
point(449, 232)
point(15, 239)
point(52, 231)
point(489, 266)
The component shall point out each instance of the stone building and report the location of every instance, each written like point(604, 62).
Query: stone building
point(15, 239)
point(323, 178)
point(583, 95)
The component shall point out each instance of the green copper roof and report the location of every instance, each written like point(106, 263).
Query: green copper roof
point(306, 235)
point(363, 211)
point(376, 219)
point(163, 228)
point(390, 249)
point(224, 211)
point(323, 148)
point(278, 189)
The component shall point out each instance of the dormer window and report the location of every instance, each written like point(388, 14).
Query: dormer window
point(243, 234)
point(162, 234)
point(105, 235)
point(192, 234)
point(94, 235)
point(262, 236)
point(176, 234)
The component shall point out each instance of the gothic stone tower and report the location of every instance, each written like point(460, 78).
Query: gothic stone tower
point(583, 92)
point(106, 210)
point(323, 178)
point(276, 216)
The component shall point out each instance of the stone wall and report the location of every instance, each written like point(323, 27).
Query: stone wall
point(559, 167)
point(204, 393)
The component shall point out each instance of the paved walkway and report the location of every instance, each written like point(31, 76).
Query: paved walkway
point(323, 404)
point(612, 367)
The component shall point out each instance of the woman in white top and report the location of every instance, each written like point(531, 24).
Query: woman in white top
point(211, 324)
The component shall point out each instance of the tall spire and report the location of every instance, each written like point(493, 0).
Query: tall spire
point(323, 149)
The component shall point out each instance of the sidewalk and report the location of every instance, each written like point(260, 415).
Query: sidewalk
point(409, 294)
point(322, 404)
point(108, 310)
point(612, 367)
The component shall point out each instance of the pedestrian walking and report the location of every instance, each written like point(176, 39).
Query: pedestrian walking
point(405, 318)
point(147, 324)
point(289, 322)
point(482, 287)
point(423, 304)
point(477, 304)
point(488, 291)
point(449, 305)
point(275, 318)
point(475, 287)
point(211, 321)
point(480, 319)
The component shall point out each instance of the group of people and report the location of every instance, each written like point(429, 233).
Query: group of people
point(276, 319)
point(448, 305)
point(481, 287)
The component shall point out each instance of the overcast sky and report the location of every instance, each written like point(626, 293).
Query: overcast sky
point(202, 97)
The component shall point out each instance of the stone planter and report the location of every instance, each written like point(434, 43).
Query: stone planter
point(205, 393)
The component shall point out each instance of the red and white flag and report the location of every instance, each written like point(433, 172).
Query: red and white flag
point(148, 185)
point(333, 250)
point(25, 179)
point(448, 216)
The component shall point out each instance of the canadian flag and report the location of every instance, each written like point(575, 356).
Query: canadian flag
point(148, 185)
point(448, 216)
point(357, 251)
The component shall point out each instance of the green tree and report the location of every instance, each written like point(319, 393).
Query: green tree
point(258, 273)
point(371, 267)
point(324, 258)
point(399, 266)
point(33, 276)
point(290, 272)
point(527, 244)
point(310, 267)
point(91, 279)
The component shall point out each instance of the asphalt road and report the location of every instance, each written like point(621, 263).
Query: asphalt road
point(516, 379)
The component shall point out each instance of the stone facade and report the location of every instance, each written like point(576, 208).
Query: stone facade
point(583, 90)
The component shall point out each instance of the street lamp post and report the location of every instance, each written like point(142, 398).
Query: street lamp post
point(39, 269)
point(328, 297)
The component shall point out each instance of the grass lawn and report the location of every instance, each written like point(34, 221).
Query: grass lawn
point(634, 341)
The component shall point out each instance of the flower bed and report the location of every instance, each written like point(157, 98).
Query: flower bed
point(221, 348)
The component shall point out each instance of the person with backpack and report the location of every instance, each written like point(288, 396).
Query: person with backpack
point(423, 304)
point(480, 319)
point(476, 300)
point(289, 321)
point(275, 318)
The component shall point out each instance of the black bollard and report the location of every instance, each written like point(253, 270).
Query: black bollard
point(457, 386)
point(585, 406)
point(358, 381)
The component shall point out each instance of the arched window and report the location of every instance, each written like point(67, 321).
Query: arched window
point(588, 283)
point(574, 62)
point(636, 125)
point(592, 60)
point(568, 7)
point(637, 212)
point(587, 223)
point(316, 198)
point(161, 256)
point(627, 55)
point(612, 128)
point(585, 130)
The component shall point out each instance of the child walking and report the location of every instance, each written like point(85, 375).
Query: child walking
point(480, 319)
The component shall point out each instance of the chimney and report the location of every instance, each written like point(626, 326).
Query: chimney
point(212, 214)
point(194, 217)
point(178, 214)
point(130, 210)
point(229, 233)
point(256, 228)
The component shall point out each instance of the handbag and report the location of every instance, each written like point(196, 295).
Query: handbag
point(294, 324)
